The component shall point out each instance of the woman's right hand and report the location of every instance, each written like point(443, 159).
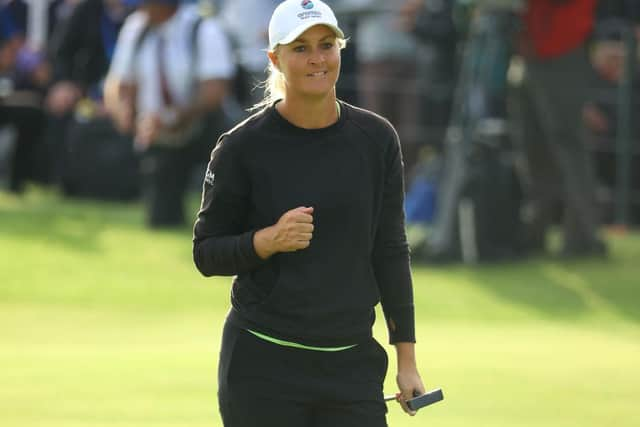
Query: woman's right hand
point(292, 232)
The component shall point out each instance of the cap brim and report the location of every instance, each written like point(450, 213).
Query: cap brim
point(304, 27)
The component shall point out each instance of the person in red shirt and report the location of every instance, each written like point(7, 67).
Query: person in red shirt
point(556, 27)
point(553, 93)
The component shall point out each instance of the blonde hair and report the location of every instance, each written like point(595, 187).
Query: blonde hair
point(275, 86)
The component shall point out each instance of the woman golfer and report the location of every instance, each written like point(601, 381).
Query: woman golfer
point(303, 203)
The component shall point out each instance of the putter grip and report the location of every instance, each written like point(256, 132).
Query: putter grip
point(426, 399)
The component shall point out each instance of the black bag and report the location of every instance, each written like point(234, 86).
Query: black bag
point(490, 223)
point(99, 162)
point(479, 206)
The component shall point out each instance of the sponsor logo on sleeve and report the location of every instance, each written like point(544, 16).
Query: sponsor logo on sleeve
point(209, 177)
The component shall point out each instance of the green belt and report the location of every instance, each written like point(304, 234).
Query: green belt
point(297, 345)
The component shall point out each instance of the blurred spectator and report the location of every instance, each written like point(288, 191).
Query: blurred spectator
point(608, 54)
point(431, 22)
point(83, 51)
point(387, 78)
point(80, 53)
point(26, 80)
point(18, 109)
point(557, 76)
point(19, 112)
point(169, 73)
point(247, 23)
point(616, 20)
point(58, 10)
point(30, 70)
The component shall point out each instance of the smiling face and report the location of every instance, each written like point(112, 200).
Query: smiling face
point(310, 64)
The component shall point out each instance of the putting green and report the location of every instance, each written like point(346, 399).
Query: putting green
point(103, 323)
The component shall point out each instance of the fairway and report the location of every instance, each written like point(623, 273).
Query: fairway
point(103, 323)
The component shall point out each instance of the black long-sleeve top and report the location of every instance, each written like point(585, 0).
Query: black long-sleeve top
point(351, 174)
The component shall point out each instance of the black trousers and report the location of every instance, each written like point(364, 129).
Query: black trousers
point(559, 163)
point(166, 173)
point(262, 384)
point(29, 123)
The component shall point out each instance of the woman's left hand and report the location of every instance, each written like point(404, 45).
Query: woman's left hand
point(410, 386)
point(408, 379)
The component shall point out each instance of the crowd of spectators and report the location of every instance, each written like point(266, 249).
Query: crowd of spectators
point(402, 61)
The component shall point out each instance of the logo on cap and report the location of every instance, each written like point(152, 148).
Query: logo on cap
point(307, 4)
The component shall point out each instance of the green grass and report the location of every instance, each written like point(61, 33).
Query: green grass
point(103, 323)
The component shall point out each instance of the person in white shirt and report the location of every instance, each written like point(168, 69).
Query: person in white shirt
point(171, 69)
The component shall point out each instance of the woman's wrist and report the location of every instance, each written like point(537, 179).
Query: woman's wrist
point(263, 242)
point(406, 356)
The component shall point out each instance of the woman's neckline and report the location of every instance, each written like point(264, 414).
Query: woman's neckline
point(341, 110)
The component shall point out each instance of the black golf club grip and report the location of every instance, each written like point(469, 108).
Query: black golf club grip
point(426, 399)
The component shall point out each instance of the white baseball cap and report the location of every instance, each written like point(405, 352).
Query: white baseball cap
point(293, 17)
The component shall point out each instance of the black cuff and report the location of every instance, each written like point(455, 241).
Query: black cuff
point(401, 324)
point(249, 251)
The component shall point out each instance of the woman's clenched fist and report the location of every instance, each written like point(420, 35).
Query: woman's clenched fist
point(292, 232)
